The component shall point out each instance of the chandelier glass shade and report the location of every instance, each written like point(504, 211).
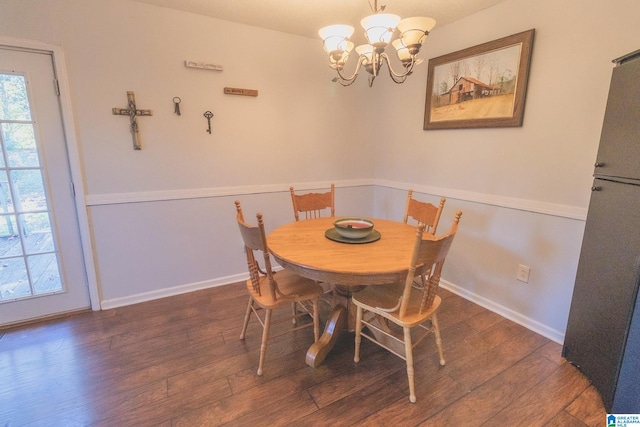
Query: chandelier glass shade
point(379, 29)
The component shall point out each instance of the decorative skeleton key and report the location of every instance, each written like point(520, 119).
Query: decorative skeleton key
point(208, 115)
point(133, 112)
point(177, 101)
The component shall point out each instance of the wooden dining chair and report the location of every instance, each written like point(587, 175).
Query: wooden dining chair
point(427, 214)
point(423, 212)
point(313, 205)
point(269, 290)
point(403, 305)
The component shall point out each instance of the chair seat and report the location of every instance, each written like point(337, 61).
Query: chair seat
point(378, 298)
point(294, 287)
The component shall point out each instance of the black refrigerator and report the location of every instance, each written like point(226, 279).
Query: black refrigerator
point(603, 331)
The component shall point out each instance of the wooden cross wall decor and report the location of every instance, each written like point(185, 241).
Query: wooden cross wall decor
point(133, 113)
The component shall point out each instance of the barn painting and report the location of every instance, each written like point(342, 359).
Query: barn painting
point(486, 82)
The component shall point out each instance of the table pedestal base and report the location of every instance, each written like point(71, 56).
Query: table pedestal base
point(342, 318)
point(336, 323)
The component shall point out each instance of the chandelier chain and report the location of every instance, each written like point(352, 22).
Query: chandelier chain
point(374, 6)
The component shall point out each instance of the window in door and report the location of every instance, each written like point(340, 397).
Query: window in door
point(28, 256)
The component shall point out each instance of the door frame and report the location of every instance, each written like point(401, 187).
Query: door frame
point(75, 163)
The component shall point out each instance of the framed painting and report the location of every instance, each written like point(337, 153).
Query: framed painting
point(481, 86)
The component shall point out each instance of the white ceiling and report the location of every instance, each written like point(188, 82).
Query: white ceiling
point(306, 17)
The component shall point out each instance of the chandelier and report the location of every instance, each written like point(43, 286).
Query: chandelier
point(379, 29)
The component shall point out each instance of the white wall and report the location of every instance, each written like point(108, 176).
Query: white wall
point(550, 158)
point(287, 132)
point(162, 218)
point(524, 191)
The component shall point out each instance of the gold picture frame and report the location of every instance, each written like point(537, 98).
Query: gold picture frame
point(481, 86)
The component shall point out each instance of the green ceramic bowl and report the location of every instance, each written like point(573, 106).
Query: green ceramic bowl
point(353, 228)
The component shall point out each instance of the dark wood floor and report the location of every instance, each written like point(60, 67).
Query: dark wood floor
point(178, 362)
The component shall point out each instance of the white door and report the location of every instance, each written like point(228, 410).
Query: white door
point(42, 271)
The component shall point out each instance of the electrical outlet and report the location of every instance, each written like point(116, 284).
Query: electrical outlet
point(523, 273)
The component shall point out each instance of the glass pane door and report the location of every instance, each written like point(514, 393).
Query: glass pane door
point(28, 255)
point(42, 269)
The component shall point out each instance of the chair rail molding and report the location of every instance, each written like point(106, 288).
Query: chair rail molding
point(203, 193)
point(534, 206)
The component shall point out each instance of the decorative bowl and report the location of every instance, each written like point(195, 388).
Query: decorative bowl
point(353, 228)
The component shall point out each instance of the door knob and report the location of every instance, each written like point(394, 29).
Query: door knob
point(594, 188)
point(599, 164)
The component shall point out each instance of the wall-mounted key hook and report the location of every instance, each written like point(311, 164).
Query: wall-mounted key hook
point(208, 115)
point(176, 103)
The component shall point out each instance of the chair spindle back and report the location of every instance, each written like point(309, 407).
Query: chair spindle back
point(424, 212)
point(430, 252)
point(255, 240)
point(313, 204)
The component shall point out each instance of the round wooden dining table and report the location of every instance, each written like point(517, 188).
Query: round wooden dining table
point(347, 266)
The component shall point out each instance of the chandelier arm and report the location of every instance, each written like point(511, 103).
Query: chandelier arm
point(343, 82)
point(349, 80)
point(399, 77)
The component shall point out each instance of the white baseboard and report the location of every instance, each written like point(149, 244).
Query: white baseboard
point(169, 292)
point(505, 312)
point(533, 325)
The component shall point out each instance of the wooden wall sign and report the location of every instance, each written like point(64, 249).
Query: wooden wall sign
point(238, 91)
point(203, 65)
